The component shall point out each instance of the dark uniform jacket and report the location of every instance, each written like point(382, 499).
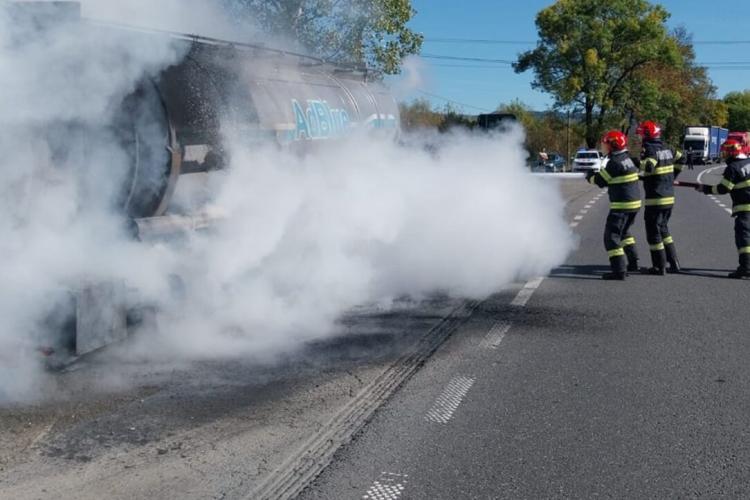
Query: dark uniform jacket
point(736, 181)
point(621, 177)
point(659, 168)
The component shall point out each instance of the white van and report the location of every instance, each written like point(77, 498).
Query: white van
point(589, 160)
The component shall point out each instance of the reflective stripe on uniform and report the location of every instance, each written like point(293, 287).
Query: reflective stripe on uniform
point(668, 240)
point(605, 175)
point(648, 162)
point(657, 247)
point(744, 250)
point(617, 252)
point(624, 179)
point(628, 241)
point(658, 202)
point(625, 205)
point(667, 169)
point(714, 189)
point(742, 185)
point(727, 184)
point(677, 154)
point(740, 208)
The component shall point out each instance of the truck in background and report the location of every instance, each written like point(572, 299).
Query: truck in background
point(743, 138)
point(491, 121)
point(703, 142)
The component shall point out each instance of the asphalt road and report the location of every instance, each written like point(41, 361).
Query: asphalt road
point(583, 389)
point(567, 387)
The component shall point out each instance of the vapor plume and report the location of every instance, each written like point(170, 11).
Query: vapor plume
point(300, 239)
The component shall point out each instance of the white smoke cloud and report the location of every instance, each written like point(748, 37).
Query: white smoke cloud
point(59, 174)
point(305, 239)
point(415, 75)
point(301, 240)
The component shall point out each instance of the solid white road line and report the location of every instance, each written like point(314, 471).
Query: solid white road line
point(526, 292)
point(700, 176)
point(447, 403)
point(495, 336)
point(388, 487)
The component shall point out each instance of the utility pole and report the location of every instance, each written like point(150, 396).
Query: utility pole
point(567, 153)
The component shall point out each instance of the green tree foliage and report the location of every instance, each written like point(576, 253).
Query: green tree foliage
point(421, 115)
point(738, 107)
point(371, 33)
point(674, 96)
point(551, 130)
point(589, 50)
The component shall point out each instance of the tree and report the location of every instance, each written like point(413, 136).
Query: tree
point(738, 107)
point(589, 50)
point(369, 33)
point(674, 96)
point(421, 115)
point(546, 130)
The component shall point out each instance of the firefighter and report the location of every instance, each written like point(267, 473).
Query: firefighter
point(621, 177)
point(736, 182)
point(659, 167)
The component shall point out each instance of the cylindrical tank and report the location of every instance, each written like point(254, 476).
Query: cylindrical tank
point(172, 126)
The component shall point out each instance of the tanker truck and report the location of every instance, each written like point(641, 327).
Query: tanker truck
point(170, 130)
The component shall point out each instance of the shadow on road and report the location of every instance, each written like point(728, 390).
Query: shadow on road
point(586, 272)
point(592, 272)
point(706, 273)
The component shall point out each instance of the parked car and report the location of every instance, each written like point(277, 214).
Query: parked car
point(555, 163)
point(589, 160)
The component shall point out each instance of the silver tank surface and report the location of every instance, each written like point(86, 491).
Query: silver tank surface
point(263, 95)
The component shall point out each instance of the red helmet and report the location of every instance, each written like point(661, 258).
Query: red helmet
point(649, 130)
point(732, 148)
point(615, 140)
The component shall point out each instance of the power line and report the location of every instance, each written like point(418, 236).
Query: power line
point(710, 65)
point(722, 42)
point(451, 101)
point(479, 41)
point(530, 42)
point(470, 66)
point(468, 59)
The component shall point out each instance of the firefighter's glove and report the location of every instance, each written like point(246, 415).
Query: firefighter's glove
point(705, 189)
point(589, 175)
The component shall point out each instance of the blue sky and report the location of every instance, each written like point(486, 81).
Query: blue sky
point(483, 86)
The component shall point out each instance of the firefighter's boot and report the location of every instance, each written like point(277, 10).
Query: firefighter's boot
point(674, 263)
point(632, 255)
point(619, 272)
point(743, 271)
point(659, 261)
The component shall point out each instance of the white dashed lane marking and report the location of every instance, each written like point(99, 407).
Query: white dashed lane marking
point(447, 403)
point(495, 336)
point(578, 217)
point(388, 487)
point(526, 292)
point(574, 224)
point(728, 210)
